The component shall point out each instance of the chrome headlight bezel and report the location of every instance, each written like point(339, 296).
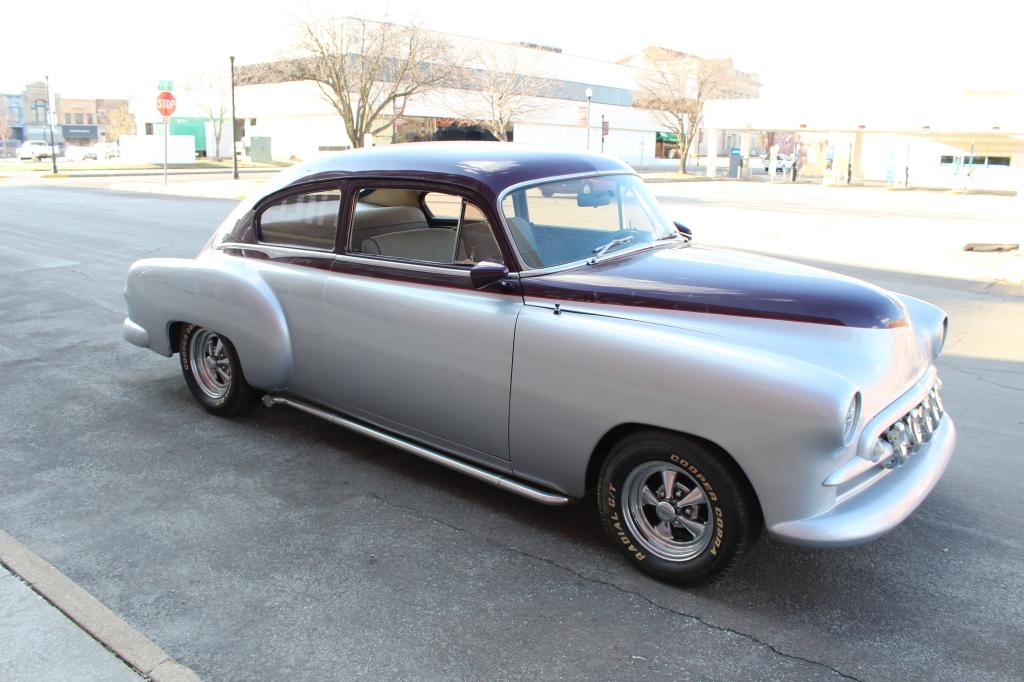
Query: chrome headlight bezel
point(851, 419)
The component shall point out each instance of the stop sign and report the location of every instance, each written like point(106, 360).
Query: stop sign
point(165, 103)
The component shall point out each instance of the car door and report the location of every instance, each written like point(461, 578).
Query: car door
point(408, 342)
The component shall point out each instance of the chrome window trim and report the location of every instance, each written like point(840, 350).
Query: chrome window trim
point(276, 250)
point(416, 266)
point(524, 269)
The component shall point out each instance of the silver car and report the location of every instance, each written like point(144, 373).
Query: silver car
point(442, 299)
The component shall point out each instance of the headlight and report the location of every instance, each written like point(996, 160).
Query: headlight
point(852, 413)
point(942, 337)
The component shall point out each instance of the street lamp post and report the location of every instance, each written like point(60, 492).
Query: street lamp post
point(234, 140)
point(590, 95)
point(49, 122)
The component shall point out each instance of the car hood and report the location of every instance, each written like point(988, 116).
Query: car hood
point(722, 282)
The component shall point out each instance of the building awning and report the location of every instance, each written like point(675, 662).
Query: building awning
point(79, 132)
point(666, 137)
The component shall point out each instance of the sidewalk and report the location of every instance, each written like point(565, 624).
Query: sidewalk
point(40, 643)
point(53, 630)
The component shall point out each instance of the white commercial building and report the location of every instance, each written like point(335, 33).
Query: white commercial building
point(296, 122)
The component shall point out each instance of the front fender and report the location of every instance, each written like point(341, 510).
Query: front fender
point(222, 294)
point(576, 375)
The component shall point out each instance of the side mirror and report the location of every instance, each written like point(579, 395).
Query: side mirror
point(683, 229)
point(486, 273)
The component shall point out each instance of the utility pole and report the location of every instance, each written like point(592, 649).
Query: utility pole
point(590, 95)
point(234, 139)
point(49, 122)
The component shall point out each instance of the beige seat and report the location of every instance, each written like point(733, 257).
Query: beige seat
point(476, 243)
point(436, 245)
point(371, 220)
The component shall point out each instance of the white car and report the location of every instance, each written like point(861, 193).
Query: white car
point(34, 149)
point(102, 151)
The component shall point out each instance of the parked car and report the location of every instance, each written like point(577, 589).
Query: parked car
point(33, 150)
point(549, 348)
point(102, 151)
point(783, 162)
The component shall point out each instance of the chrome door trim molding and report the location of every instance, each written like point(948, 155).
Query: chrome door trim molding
point(370, 259)
point(275, 251)
point(497, 480)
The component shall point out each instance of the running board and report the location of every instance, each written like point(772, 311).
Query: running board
point(497, 480)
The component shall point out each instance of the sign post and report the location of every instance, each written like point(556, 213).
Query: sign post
point(166, 104)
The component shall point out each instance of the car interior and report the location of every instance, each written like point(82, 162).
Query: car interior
point(399, 223)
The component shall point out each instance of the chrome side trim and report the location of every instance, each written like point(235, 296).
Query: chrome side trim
point(401, 264)
point(497, 480)
point(275, 251)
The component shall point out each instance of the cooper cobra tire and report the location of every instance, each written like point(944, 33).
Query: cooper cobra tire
point(213, 372)
point(698, 532)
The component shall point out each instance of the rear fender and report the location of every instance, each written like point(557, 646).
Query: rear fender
point(224, 295)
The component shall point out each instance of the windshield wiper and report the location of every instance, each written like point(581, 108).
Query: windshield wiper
point(601, 250)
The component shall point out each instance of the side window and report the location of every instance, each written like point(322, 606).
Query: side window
point(304, 220)
point(443, 205)
point(391, 223)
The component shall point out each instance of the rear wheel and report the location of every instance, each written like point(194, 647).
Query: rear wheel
point(677, 508)
point(213, 372)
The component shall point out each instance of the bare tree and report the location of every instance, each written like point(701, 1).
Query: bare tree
point(499, 91)
point(120, 122)
point(5, 123)
point(676, 92)
point(365, 68)
point(212, 93)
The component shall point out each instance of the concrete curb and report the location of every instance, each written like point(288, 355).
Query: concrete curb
point(130, 645)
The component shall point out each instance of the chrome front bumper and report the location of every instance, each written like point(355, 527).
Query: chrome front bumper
point(880, 507)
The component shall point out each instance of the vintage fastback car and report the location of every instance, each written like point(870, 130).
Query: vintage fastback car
point(442, 299)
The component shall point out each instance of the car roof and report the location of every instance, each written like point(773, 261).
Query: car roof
point(488, 166)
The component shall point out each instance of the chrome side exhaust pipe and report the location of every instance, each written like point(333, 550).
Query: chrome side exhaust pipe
point(497, 480)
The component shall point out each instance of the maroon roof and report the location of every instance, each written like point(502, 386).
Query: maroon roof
point(493, 166)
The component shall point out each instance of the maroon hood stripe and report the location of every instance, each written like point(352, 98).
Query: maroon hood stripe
point(698, 279)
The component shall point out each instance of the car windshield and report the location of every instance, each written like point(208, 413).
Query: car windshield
point(564, 221)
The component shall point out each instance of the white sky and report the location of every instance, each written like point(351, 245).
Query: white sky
point(879, 50)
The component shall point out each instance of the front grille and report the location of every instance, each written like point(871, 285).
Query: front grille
point(911, 432)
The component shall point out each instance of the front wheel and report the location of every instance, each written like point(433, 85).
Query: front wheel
point(677, 508)
point(213, 372)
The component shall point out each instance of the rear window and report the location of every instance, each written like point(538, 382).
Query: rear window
point(307, 220)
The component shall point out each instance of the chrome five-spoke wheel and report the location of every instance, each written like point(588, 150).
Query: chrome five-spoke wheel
point(667, 511)
point(210, 363)
point(677, 507)
point(213, 371)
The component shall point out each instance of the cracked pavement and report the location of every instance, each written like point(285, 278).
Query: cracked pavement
point(277, 546)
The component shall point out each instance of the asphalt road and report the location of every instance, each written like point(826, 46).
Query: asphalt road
point(277, 546)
